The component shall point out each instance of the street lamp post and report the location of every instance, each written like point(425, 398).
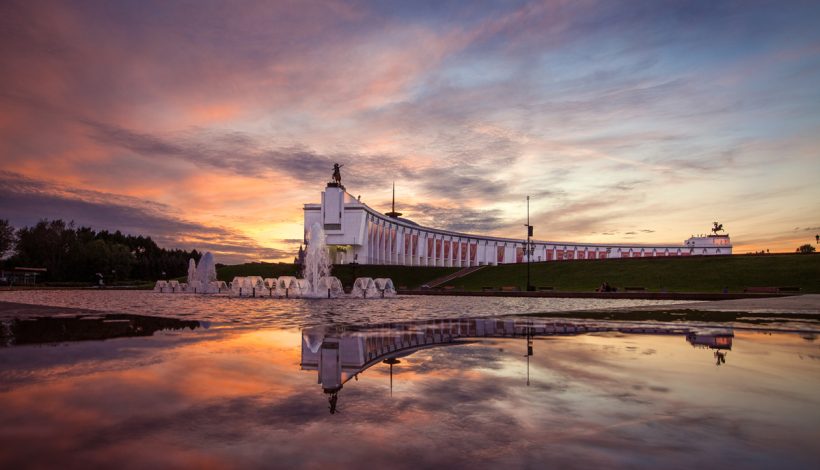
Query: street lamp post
point(528, 249)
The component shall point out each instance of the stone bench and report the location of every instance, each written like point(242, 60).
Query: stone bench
point(761, 290)
point(509, 289)
point(770, 289)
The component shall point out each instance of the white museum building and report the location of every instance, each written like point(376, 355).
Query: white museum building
point(357, 233)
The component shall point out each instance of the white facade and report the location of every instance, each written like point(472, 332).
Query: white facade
point(357, 233)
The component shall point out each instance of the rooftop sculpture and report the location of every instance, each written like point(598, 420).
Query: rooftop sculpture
point(337, 176)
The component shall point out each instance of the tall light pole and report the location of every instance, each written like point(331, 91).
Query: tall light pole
point(528, 248)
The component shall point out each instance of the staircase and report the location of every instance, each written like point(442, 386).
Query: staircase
point(444, 279)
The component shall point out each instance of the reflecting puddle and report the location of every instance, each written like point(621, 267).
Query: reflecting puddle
point(85, 327)
point(461, 393)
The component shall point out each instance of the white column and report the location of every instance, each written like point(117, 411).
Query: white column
point(376, 248)
point(416, 257)
point(436, 250)
point(369, 235)
point(490, 252)
point(424, 255)
point(398, 248)
point(423, 250)
point(391, 247)
point(399, 245)
point(395, 246)
point(411, 261)
point(384, 253)
point(402, 248)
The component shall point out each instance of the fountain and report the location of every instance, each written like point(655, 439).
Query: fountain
point(202, 276)
point(385, 286)
point(287, 286)
point(332, 285)
point(191, 271)
point(201, 279)
point(316, 270)
point(316, 283)
point(364, 287)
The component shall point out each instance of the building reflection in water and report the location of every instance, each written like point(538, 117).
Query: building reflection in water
point(339, 354)
point(720, 342)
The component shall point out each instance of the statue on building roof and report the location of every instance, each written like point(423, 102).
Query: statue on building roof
point(337, 174)
point(716, 227)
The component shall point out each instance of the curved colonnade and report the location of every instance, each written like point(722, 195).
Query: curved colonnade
point(362, 235)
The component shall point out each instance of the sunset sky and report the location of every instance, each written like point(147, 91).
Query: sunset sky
point(207, 125)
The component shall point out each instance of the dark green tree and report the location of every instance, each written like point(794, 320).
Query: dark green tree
point(807, 248)
point(7, 238)
point(77, 254)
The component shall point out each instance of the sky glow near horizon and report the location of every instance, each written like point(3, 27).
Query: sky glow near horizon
point(207, 125)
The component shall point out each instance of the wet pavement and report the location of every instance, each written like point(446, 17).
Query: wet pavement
point(82, 388)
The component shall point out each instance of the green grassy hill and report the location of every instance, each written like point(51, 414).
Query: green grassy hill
point(408, 276)
point(696, 274)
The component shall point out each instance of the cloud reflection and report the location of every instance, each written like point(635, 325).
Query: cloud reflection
point(238, 398)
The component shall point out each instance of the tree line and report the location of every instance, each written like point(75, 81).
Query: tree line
point(78, 254)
